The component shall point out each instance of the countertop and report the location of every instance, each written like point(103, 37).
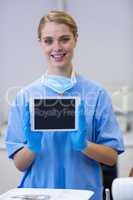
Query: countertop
point(45, 193)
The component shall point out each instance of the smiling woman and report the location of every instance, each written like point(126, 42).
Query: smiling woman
point(57, 34)
point(63, 159)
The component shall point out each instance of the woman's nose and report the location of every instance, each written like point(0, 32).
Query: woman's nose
point(57, 45)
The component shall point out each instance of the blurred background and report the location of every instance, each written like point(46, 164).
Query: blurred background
point(104, 54)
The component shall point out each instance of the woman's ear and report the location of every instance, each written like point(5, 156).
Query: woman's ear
point(76, 38)
point(40, 42)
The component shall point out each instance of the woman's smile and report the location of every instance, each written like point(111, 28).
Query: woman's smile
point(58, 57)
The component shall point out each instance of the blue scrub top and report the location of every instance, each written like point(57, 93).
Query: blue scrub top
point(58, 165)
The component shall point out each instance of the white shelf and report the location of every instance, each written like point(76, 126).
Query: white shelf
point(2, 144)
point(128, 140)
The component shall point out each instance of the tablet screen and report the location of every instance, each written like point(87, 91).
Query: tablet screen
point(54, 114)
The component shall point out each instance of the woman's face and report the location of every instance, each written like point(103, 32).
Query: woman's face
point(58, 44)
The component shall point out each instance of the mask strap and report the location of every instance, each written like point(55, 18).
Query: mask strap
point(73, 77)
point(45, 76)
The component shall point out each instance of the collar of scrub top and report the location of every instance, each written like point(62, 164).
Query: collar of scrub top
point(45, 76)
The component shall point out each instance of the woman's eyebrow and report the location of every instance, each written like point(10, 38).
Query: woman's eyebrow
point(50, 37)
point(65, 36)
point(47, 37)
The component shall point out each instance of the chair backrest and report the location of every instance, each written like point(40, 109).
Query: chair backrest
point(122, 188)
point(107, 193)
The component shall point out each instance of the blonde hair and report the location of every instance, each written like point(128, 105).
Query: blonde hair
point(59, 17)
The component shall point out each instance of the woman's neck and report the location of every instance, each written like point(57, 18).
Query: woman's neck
point(66, 71)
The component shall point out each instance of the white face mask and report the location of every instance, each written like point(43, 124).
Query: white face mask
point(59, 83)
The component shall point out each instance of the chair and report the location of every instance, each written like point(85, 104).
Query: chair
point(122, 188)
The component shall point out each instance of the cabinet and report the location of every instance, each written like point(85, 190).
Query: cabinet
point(9, 175)
point(125, 162)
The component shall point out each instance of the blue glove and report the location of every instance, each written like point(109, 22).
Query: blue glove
point(78, 138)
point(33, 138)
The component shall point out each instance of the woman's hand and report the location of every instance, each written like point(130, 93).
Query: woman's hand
point(78, 138)
point(33, 138)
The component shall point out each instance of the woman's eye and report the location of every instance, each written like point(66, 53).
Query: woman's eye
point(48, 41)
point(64, 40)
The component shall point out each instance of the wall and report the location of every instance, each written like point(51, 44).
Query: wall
point(106, 41)
point(21, 58)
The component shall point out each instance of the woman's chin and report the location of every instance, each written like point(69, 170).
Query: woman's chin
point(59, 65)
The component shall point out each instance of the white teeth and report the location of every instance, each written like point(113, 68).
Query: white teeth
point(58, 55)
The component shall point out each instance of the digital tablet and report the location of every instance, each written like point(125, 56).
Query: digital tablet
point(54, 113)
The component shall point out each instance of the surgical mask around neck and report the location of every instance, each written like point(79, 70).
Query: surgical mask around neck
point(59, 84)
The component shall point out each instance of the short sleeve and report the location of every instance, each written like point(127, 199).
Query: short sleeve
point(107, 129)
point(14, 137)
